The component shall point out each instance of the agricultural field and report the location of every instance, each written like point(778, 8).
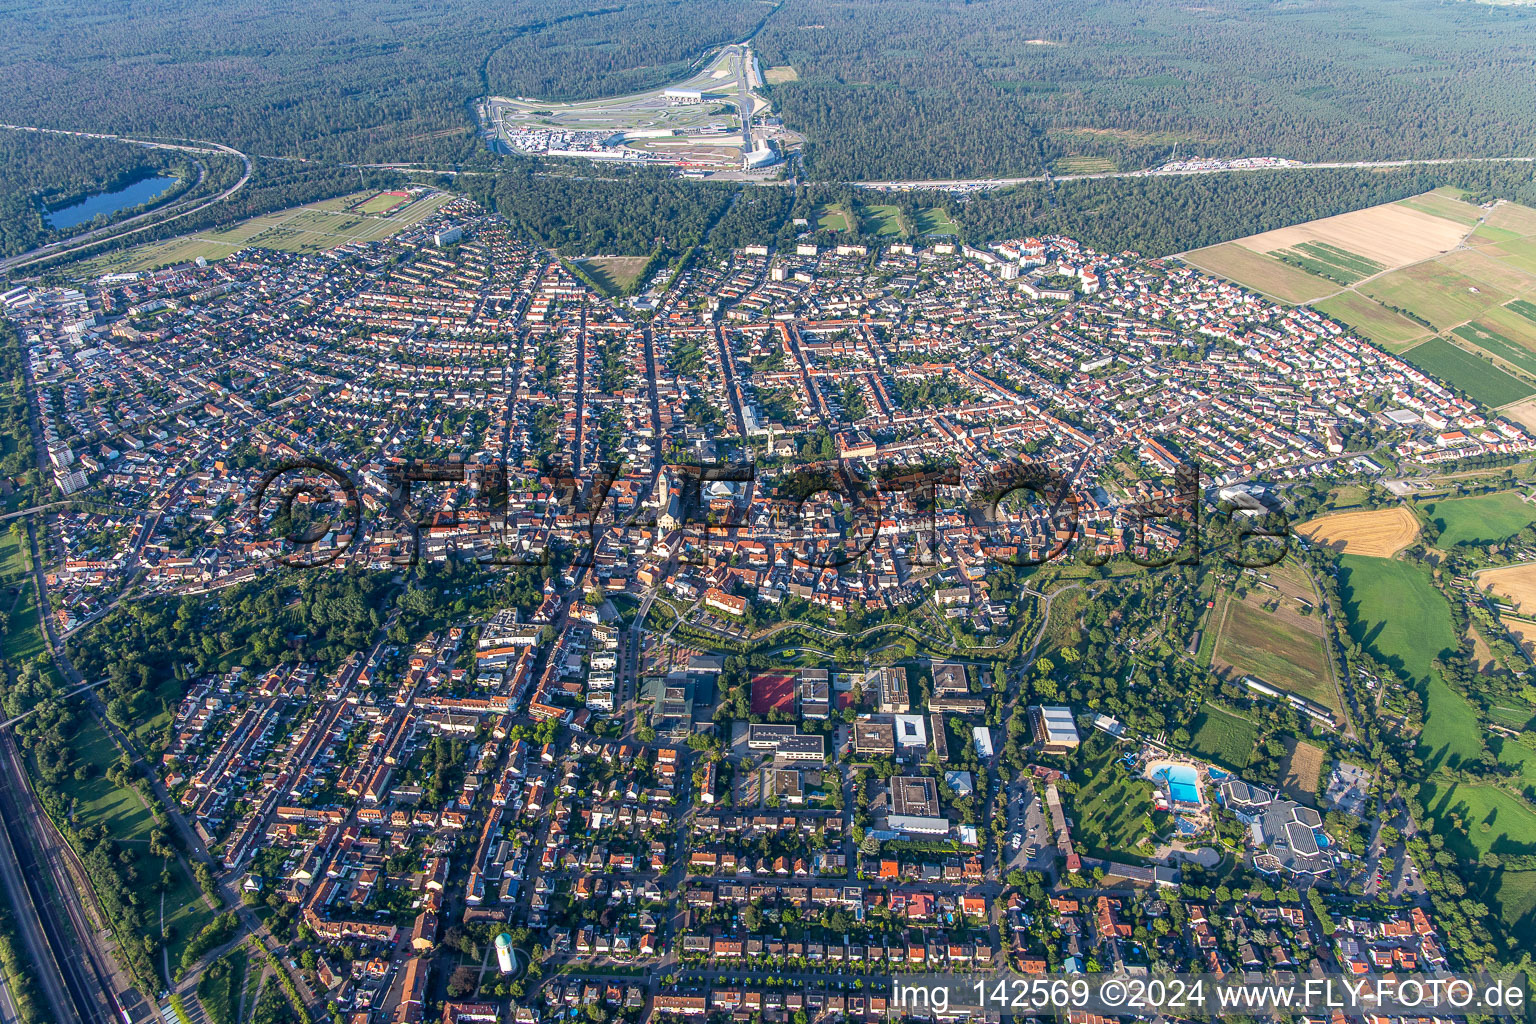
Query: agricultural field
point(1472, 374)
point(1262, 273)
point(1371, 320)
point(1483, 519)
point(1330, 261)
point(1111, 809)
point(1265, 635)
point(1483, 335)
point(1441, 295)
point(1223, 736)
point(1379, 533)
point(1514, 583)
point(303, 229)
point(616, 275)
point(1301, 771)
point(1444, 203)
point(1387, 236)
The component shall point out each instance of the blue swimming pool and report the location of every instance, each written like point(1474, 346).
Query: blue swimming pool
point(1183, 782)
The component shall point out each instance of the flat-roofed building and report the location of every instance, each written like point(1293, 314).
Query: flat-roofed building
point(1053, 728)
point(914, 796)
point(889, 684)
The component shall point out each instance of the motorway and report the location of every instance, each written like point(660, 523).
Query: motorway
point(155, 217)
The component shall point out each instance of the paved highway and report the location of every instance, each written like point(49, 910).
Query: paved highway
point(154, 217)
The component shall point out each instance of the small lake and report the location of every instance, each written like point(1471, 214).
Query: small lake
point(141, 191)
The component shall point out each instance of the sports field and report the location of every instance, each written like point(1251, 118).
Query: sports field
point(1223, 736)
point(302, 229)
point(884, 220)
point(934, 221)
point(1380, 533)
point(1468, 372)
point(381, 202)
point(833, 218)
point(1514, 583)
point(1482, 519)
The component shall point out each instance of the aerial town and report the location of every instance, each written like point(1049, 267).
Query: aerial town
point(707, 692)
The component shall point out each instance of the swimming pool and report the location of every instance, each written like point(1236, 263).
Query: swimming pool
point(1182, 780)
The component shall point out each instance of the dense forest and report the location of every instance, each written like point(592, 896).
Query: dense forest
point(39, 172)
point(908, 88)
point(904, 88)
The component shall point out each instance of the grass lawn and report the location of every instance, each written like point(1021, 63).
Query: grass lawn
point(302, 229)
point(616, 275)
point(129, 822)
point(1480, 520)
point(219, 987)
point(833, 218)
point(884, 220)
point(1491, 820)
point(1395, 613)
point(780, 74)
point(1511, 895)
point(933, 221)
point(1279, 647)
point(1472, 374)
point(1223, 736)
point(1111, 810)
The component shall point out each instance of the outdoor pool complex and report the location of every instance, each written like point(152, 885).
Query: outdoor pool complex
point(1183, 782)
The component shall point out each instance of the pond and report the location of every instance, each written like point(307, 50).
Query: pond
point(141, 191)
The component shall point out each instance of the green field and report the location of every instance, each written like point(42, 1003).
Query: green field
point(127, 821)
point(218, 990)
point(615, 275)
point(1329, 261)
point(302, 229)
point(381, 203)
point(1402, 620)
point(1223, 736)
point(933, 221)
point(1277, 649)
point(1511, 895)
point(833, 218)
point(1111, 809)
point(1441, 295)
point(1480, 520)
point(1492, 821)
point(884, 220)
point(1371, 319)
point(1440, 204)
point(1489, 340)
point(1478, 378)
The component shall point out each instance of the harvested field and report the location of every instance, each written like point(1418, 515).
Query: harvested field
point(1392, 235)
point(1514, 583)
point(1260, 272)
point(1301, 771)
point(1380, 533)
